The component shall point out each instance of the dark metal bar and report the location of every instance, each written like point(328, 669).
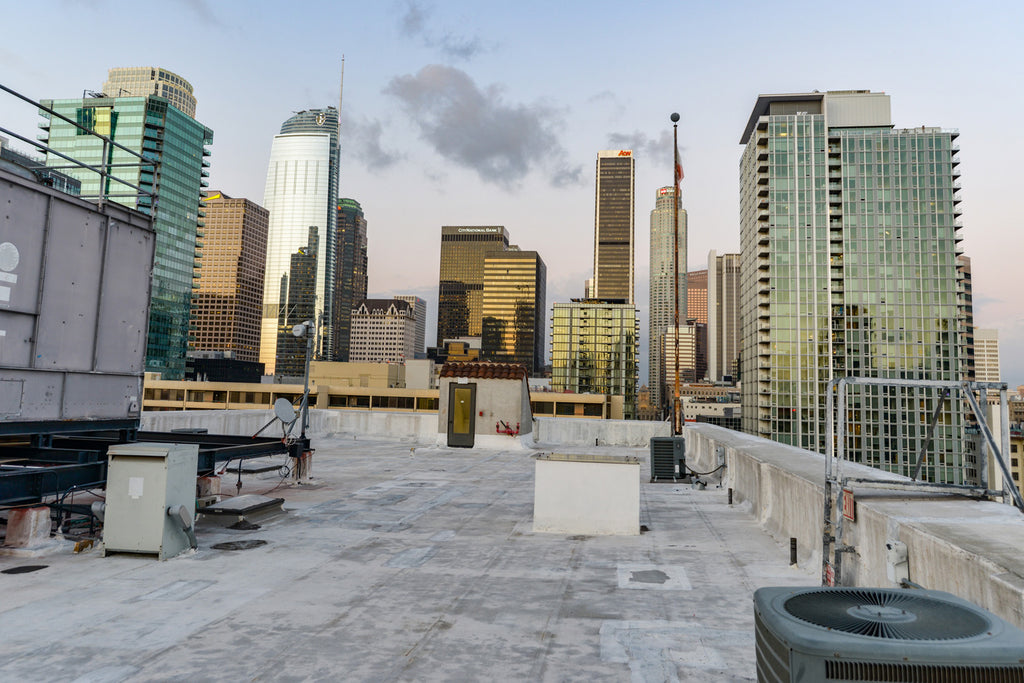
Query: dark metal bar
point(931, 433)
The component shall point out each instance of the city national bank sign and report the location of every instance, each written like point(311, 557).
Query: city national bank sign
point(484, 230)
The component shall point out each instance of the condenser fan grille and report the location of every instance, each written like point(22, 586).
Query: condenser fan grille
point(894, 615)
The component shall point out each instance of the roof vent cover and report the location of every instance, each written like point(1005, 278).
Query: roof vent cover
point(883, 614)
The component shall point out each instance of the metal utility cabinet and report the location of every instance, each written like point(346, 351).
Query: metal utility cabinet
point(143, 482)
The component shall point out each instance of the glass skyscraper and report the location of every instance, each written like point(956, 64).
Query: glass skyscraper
point(662, 303)
point(150, 126)
point(301, 191)
point(461, 287)
point(850, 231)
point(350, 273)
point(594, 350)
point(514, 309)
point(613, 226)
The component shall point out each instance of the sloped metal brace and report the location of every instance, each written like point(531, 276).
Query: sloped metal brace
point(987, 433)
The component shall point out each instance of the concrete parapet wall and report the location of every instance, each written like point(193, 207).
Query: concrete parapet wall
point(966, 547)
point(572, 431)
point(415, 427)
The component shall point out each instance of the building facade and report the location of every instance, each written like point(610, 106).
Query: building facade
point(692, 364)
point(419, 313)
point(662, 280)
point(461, 284)
point(613, 226)
point(514, 309)
point(150, 126)
point(723, 317)
point(296, 304)
point(594, 350)
point(140, 81)
point(697, 296)
point(301, 191)
point(383, 331)
point(228, 299)
point(850, 231)
point(986, 355)
point(350, 274)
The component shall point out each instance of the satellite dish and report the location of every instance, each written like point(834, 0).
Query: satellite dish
point(284, 411)
point(299, 329)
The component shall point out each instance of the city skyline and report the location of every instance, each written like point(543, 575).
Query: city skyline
point(520, 155)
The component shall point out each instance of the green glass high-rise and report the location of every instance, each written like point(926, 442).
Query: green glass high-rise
point(178, 143)
point(594, 350)
point(850, 232)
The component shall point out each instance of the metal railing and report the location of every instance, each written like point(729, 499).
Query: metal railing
point(103, 171)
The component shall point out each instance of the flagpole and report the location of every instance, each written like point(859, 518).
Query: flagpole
point(677, 418)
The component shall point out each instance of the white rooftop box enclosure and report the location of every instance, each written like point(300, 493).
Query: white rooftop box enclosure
point(587, 494)
point(144, 482)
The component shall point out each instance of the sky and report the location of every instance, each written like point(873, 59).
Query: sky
point(492, 113)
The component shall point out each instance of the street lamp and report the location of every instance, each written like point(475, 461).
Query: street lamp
point(307, 330)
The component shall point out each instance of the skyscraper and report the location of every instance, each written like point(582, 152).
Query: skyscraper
point(139, 81)
point(723, 316)
point(383, 331)
point(419, 312)
point(350, 273)
point(986, 347)
point(301, 191)
point(296, 298)
point(228, 299)
point(151, 126)
point(662, 301)
point(461, 287)
point(850, 231)
point(513, 308)
point(594, 350)
point(613, 226)
point(697, 296)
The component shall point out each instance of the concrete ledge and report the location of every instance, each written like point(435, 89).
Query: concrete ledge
point(575, 431)
point(965, 547)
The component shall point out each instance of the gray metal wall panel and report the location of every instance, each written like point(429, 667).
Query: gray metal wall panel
point(16, 332)
point(101, 396)
point(121, 333)
point(22, 231)
point(41, 396)
point(72, 269)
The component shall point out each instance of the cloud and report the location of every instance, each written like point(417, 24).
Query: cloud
point(476, 129)
point(203, 10)
point(414, 24)
point(364, 138)
point(655, 149)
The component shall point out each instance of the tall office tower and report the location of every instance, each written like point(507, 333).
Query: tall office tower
point(513, 309)
point(723, 316)
point(986, 355)
point(967, 314)
point(692, 365)
point(594, 350)
point(697, 296)
point(178, 143)
point(613, 226)
point(850, 231)
point(461, 287)
point(662, 301)
point(350, 274)
point(419, 312)
point(383, 331)
point(296, 297)
point(302, 190)
point(228, 299)
point(139, 81)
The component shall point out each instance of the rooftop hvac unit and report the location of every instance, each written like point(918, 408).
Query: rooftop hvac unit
point(881, 634)
point(668, 457)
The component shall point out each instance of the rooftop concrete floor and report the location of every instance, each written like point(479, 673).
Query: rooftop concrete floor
point(404, 564)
